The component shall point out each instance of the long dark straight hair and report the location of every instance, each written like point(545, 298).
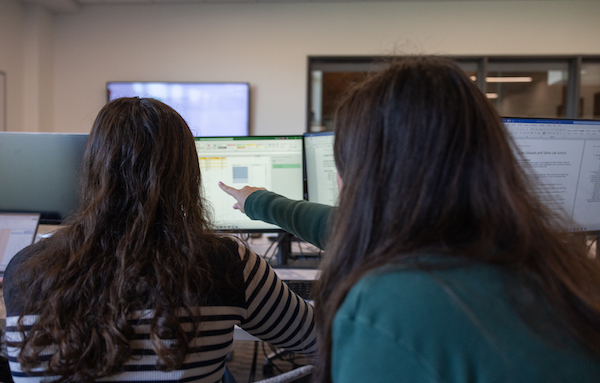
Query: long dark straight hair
point(139, 241)
point(427, 166)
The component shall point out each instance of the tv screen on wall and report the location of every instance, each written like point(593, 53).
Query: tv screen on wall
point(209, 108)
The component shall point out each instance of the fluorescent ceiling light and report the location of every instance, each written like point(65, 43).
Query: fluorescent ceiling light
point(492, 96)
point(508, 79)
point(505, 79)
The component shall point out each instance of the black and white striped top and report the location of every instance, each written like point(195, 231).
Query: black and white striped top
point(261, 304)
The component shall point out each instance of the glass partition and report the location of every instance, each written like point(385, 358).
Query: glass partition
point(528, 89)
point(590, 91)
point(566, 86)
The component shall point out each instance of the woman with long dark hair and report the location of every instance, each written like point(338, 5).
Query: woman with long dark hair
point(136, 286)
point(441, 264)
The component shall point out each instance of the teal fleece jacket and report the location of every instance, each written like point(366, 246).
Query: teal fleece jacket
point(451, 324)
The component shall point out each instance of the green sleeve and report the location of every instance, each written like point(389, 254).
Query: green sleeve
point(306, 220)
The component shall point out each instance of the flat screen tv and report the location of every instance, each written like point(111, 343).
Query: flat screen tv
point(209, 108)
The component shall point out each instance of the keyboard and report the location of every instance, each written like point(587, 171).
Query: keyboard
point(302, 287)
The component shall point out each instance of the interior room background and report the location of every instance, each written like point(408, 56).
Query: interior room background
point(57, 60)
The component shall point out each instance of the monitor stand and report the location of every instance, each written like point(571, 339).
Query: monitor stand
point(284, 248)
point(284, 256)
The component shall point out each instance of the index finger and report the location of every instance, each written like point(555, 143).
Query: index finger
point(228, 189)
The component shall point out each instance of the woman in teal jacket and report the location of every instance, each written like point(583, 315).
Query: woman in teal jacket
point(441, 264)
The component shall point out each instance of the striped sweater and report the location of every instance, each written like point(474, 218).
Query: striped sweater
point(254, 299)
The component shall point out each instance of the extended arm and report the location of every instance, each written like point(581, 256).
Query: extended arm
point(306, 220)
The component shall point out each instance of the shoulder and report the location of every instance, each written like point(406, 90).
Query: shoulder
point(229, 271)
point(16, 275)
point(452, 306)
point(461, 315)
point(417, 319)
point(13, 269)
point(369, 300)
point(226, 252)
point(408, 314)
point(414, 293)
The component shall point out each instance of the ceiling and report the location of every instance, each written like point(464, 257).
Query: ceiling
point(60, 6)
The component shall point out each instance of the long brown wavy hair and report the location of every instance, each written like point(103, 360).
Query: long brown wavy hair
point(140, 240)
point(427, 166)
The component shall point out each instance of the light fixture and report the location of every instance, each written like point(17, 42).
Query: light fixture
point(509, 79)
point(505, 79)
point(492, 96)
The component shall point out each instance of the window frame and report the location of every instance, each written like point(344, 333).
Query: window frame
point(370, 63)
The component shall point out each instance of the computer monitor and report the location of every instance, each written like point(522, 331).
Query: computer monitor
point(273, 162)
point(39, 173)
point(17, 231)
point(563, 153)
point(565, 157)
point(321, 173)
point(210, 109)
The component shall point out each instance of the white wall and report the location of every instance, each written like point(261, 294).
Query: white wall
point(12, 28)
point(267, 44)
point(38, 67)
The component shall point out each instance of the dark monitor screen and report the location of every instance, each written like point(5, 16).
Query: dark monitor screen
point(321, 173)
point(210, 109)
point(565, 157)
point(272, 162)
point(39, 173)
